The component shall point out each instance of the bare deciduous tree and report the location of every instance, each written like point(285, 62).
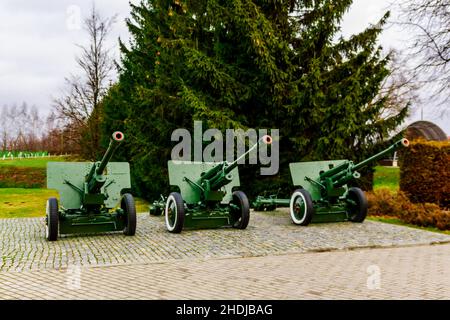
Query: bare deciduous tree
point(399, 88)
point(22, 128)
point(429, 51)
point(398, 91)
point(79, 107)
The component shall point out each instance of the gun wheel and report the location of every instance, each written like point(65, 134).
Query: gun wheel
point(174, 213)
point(301, 207)
point(358, 205)
point(51, 232)
point(242, 215)
point(129, 208)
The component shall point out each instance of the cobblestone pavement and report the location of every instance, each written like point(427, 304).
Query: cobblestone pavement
point(24, 248)
point(420, 272)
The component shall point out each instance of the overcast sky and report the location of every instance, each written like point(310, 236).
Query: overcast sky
point(38, 44)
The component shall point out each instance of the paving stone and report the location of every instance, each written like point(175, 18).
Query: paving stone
point(24, 247)
point(272, 259)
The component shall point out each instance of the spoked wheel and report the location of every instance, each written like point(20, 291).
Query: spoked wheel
point(174, 213)
point(242, 213)
point(129, 208)
point(301, 207)
point(358, 206)
point(51, 232)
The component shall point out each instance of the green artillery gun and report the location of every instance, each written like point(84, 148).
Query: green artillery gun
point(269, 203)
point(158, 206)
point(206, 198)
point(323, 194)
point(89, 191)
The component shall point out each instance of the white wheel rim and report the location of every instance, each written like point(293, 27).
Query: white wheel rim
point(170, 200)
point(294, 197)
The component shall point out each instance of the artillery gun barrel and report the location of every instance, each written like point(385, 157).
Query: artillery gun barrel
point(265, 139)
point(339, 178)
point(340, 168)
point(217, 175)
point(116, 139)
point(213, 171)
point(94, 179)
point(401, 143)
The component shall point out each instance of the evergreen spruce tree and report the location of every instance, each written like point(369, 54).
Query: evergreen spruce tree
point(248, 64)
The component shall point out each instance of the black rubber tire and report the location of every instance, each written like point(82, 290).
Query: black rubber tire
point(357, 213)
point(308, 213)
point(52, 219)
point(178, 224)
point(243, 215)
point(129, 208)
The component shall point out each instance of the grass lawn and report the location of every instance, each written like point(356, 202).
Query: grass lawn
point(386, 177)
point(389, 177)
point(19, 203)
point(401, 223)
point(27, 203)
point(141, 205)
point(30, 162)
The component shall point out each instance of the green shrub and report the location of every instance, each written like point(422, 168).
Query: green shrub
point(425, 173)
point(22, 177)
point(383, 202)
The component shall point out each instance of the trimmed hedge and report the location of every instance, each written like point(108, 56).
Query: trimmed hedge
point(383, 202)
point(18, 177)
point(425, 172)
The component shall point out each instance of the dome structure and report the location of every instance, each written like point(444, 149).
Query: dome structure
point(425, 130)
